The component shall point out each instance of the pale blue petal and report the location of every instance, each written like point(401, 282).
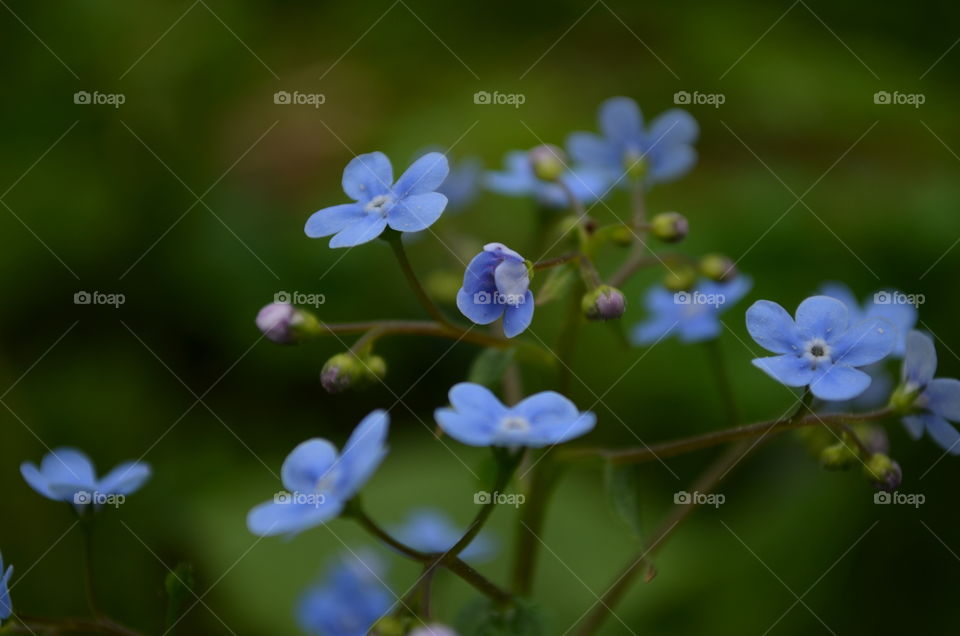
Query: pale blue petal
point(363, 230)
point(674, 127)
point(591, 149)
point(36, 480)
point(479, 273)
point(333, 219)
point(503, 252)
point(916, 424)
point(6, 605)
point(672, 163)
point(843, 293)
point(423, 176)
point(479, 305)
point(513, 281)
point(868, 342)
point(788, 369)
point(587, 185)
point(472, 429)
point(518, 178)
point(125, 479)
point(837, 382)
point(272, 518)
point(942, 396)
point(920, 362)
point(307, 464)
point(367, 176)
point(944, 434)
point(902, 316)
point(516, 318)
point(416, 212)
point(702, 325)
point(620, 119)
point(822, 317)
point(363, 453)
point(652, 330)
point(553, 419)
point(772, 327)
point(468, 396)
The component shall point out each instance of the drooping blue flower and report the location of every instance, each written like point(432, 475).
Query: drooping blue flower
point(430, 531)
point(518, 179)
point(821, 349)
point(497, 283)
point(6, 605)
point(662, 152)
point(938, 399)
point(477, 418)
point(409, 205)
point(694, 316)
point(350, 599)
point(890, 305)
point(319, 481)
point(67, 474)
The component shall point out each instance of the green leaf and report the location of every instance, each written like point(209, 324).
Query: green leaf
point(482, 618)
point(489, 367)
point(623, 489)
point(179, 585)
point(558, 282)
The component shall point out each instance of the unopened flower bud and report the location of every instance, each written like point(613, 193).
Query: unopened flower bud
point(548, 162)
point(717, 267)
point(669, 227)
point(348, 371)
point(883, 472)
point(680, 278)
point(622, 235)
point(837, 457)
point(284, 323)
point(433, 630)
point(603, 303)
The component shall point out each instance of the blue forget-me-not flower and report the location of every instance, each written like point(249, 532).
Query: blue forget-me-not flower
point(477, 418)
point(409, 205)
point(693, 316)
point(67, 474)
point(349, 600)
point(893, 306)
point(518, 179)
point(430, 531)
point(938, 399)
point(820, 349)
point(319, 481)
point(497, 283)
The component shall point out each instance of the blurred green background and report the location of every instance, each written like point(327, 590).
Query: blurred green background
point(103, 198)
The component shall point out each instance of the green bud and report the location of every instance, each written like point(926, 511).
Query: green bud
point(622, 235)
point(603, 303)
point(680, 278)
point(838, 457)
point(348, 371)
point(388, 626)
point(904, 396)
point(717, 267)
point(670, 227)
point(883, 472)
point(548, 162)
point(285, 324)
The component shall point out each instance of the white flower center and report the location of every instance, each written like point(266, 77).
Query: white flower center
point(326, 482)
point(379, 204)
point(817, 350)
point(514, 424)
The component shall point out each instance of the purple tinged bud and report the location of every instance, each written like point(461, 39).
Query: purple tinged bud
point(347, 371)
point(717, 267)
point(548, 162)
point(276, 321)
point(604, 303)
point(670, 227)
point(883, 472)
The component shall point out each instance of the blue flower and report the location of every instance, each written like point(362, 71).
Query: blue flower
point(821, 349)
point(67, 474)
point(938, 399)
point(409, 205)
point(497, 283)
point(428, 530)
point(478, 418)
point(886, 304)
point(694, 316)
point(6, 605)
point(518, 179)
point(663, 152)
point(462, 185)
point(349, 601)
point(319, 482)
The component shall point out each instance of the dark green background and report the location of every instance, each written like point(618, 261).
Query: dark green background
point(119, 380)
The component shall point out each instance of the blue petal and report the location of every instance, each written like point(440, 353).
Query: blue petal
point(472, 429)
point(702, 325)
point(430, 531)
point(842, 293)
point(822, 317)
point(553, 418)
point(674, 127)
point(516, 318)
point(868, 342)
point(916, 424)
point(512, 279)
point(468, 396)
point(587, 185)
point(36, 480)
point(125, 479)
point(902, 316)
point(6, 605)
point(333, 219)
point(416, 212)
point(479, 273)
point(272, 518)
point(652, 330)
point(365, 229)
point(363, 452)
point(620, 119)
point(772, 327)
point(479, 306)
point(591, 149)
point(670, 164)
point(518, 178)
point(307, 464)
point(62, 472)
point(423, 176)
point(942, 396)
point(837, 382)
point(367, 176)
point(788, 369)
point(920, 362)
point(944, 434)
point(732, 291)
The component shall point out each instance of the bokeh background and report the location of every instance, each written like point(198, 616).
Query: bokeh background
point(106, 199)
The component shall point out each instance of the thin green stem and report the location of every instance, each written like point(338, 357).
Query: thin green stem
point(396, 243)
point(543, 480)
point(556, 261)
point(722, 375)
point(86, 524)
